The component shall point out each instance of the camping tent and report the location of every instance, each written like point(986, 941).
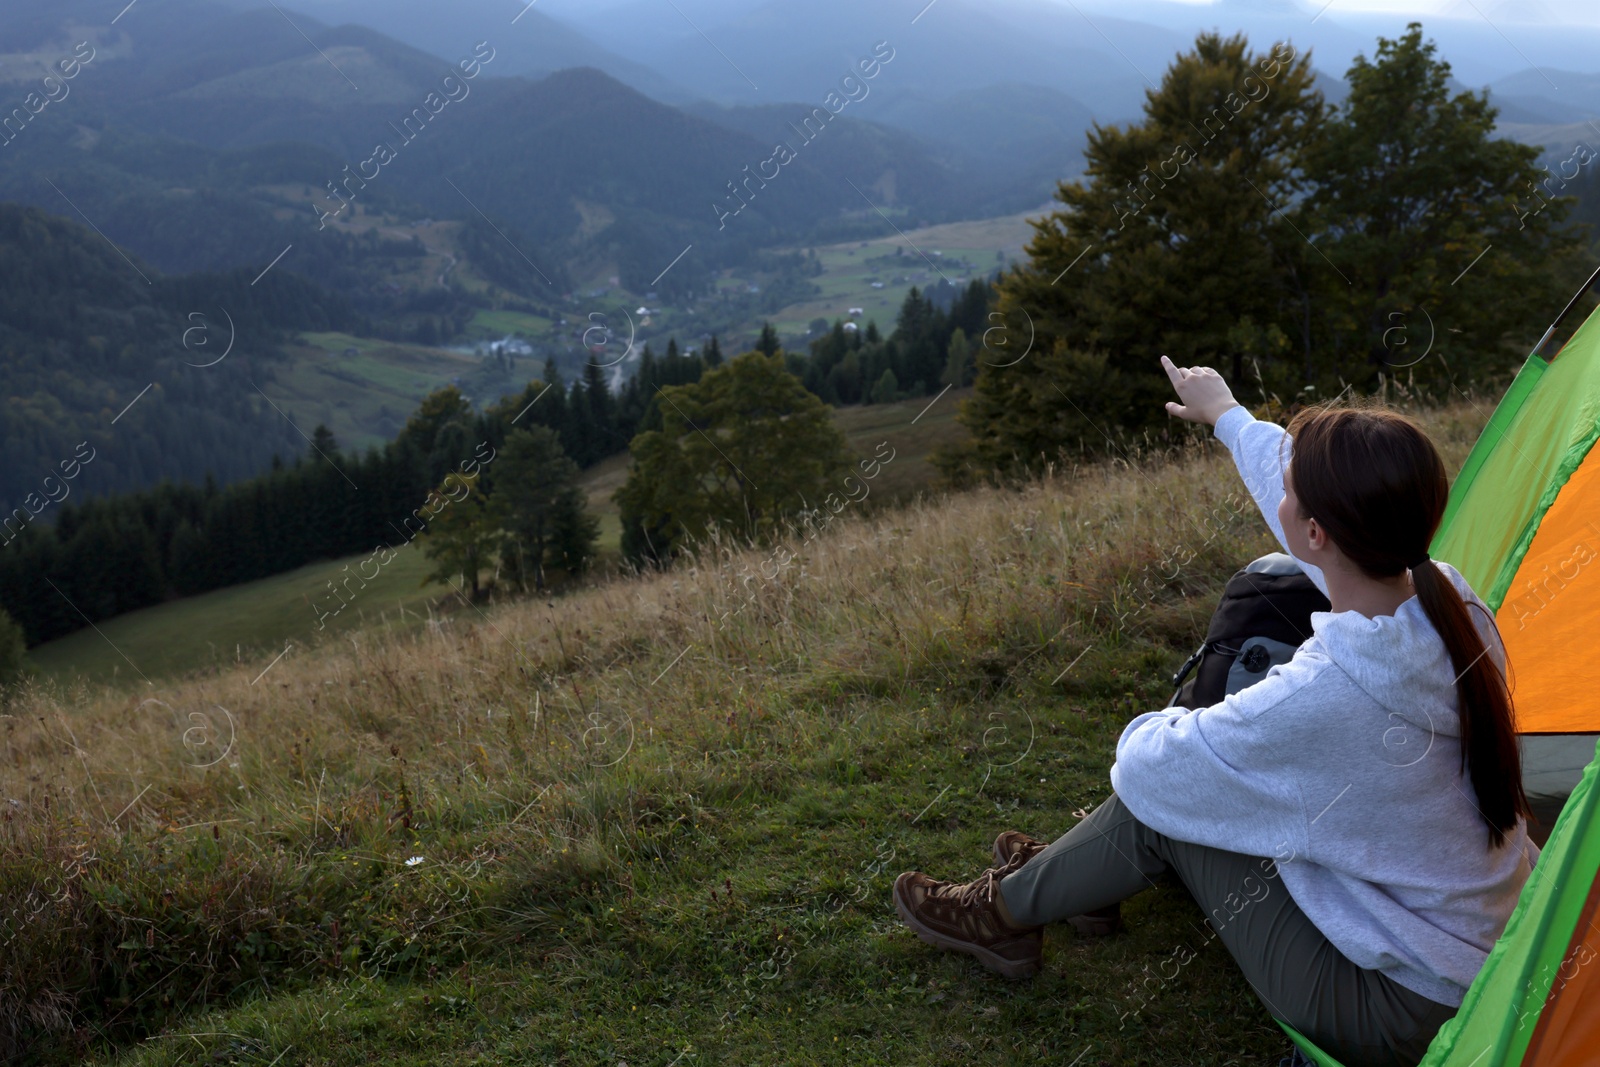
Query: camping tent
point(1527, 1005)
point(1523, 526)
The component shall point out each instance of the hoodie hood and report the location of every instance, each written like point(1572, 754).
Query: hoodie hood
point(1400, 661)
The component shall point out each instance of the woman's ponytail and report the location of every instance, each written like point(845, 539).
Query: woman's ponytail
point(1489, 753)
point(1375, 482)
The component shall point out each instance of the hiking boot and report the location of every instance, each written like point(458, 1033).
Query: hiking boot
point(1016, 847)
point(966, 918)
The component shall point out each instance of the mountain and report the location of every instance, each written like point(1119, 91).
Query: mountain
point(1551, 96)
point(1534, 110)
point(573, 170)
point(530, 43)
point(905, 169)
point(1019, 140)
point(104, 356)
point(1102, 53)
point(185, 207)
point(800, 53)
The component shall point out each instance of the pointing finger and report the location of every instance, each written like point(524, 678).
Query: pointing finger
point(1173, 373)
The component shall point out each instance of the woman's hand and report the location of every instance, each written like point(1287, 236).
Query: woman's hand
point(1204, 394)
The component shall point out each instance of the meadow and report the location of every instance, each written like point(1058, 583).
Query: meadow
point(954, 251)
point(259, 619)
point(653, 821)
point(364, 398)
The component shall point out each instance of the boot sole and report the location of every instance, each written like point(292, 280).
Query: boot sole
point(995, 962)
point(1085, 925)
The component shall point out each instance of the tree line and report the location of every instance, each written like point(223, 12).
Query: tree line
point(520, 511)
point(934, 344)
point(105, 556)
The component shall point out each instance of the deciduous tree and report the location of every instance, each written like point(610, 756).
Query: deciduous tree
point(464, 535)
point(741, 449)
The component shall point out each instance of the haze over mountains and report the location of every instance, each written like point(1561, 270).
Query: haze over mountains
point(630, 146)
point(982, 108)
point(1099, 53)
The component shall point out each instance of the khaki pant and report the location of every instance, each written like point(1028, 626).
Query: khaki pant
point(1362, 1018)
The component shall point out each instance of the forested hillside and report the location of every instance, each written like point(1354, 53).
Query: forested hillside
point(84, 332)
point(226, 159)
point(88, 561)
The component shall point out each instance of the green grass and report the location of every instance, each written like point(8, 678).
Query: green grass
point(913, 428)
point(729, 932)
point(654, 821)
point(488, 323)
point(364, 399)
point(850, 268)
point(240, 624)
point(245, 621)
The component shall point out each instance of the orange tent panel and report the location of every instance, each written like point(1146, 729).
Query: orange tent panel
point(1568, 1034)
point(1550, 617)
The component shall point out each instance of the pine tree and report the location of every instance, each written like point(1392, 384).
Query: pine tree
point(323, 443)
point(958, 368)
point(768, 344)
point(600, 415)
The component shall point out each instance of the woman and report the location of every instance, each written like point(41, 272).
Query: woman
point(1353, 824)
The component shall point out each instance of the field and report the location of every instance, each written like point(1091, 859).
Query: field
point(652, 822)
point(246, 622)
point(957, 251)
point(496, 324)
point(366, 398)
point(249, 623)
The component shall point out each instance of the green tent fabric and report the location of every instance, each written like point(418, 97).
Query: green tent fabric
point(1523, 526)
point(1502, 1010)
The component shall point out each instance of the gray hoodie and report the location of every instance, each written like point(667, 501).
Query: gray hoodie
point(1345, 765)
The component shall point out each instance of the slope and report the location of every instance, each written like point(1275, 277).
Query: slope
point(600, 829)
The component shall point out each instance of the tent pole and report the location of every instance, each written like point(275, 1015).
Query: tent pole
point(1566, 311)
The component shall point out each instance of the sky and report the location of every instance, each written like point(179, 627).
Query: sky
point(1548, 12)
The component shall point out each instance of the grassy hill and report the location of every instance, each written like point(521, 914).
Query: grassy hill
point(240, 624)
point(957, 251)
point(366, 398)
point(256, 620)
point(606, 828)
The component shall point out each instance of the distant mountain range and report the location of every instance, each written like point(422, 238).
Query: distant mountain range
point(209, 134)
point(1002, 91)
point(661, 145)
point(205, 135)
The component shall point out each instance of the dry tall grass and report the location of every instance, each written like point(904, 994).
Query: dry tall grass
point(162, 847)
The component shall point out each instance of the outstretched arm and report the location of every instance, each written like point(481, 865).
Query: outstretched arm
point(1261, 450)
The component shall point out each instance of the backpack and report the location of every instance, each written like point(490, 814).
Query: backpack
point(1264, 616)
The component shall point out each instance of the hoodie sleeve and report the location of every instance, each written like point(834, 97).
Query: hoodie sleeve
point(1217, 776)
point(1261, 450)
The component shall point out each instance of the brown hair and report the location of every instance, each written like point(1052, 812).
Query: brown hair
point(1375, 482)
